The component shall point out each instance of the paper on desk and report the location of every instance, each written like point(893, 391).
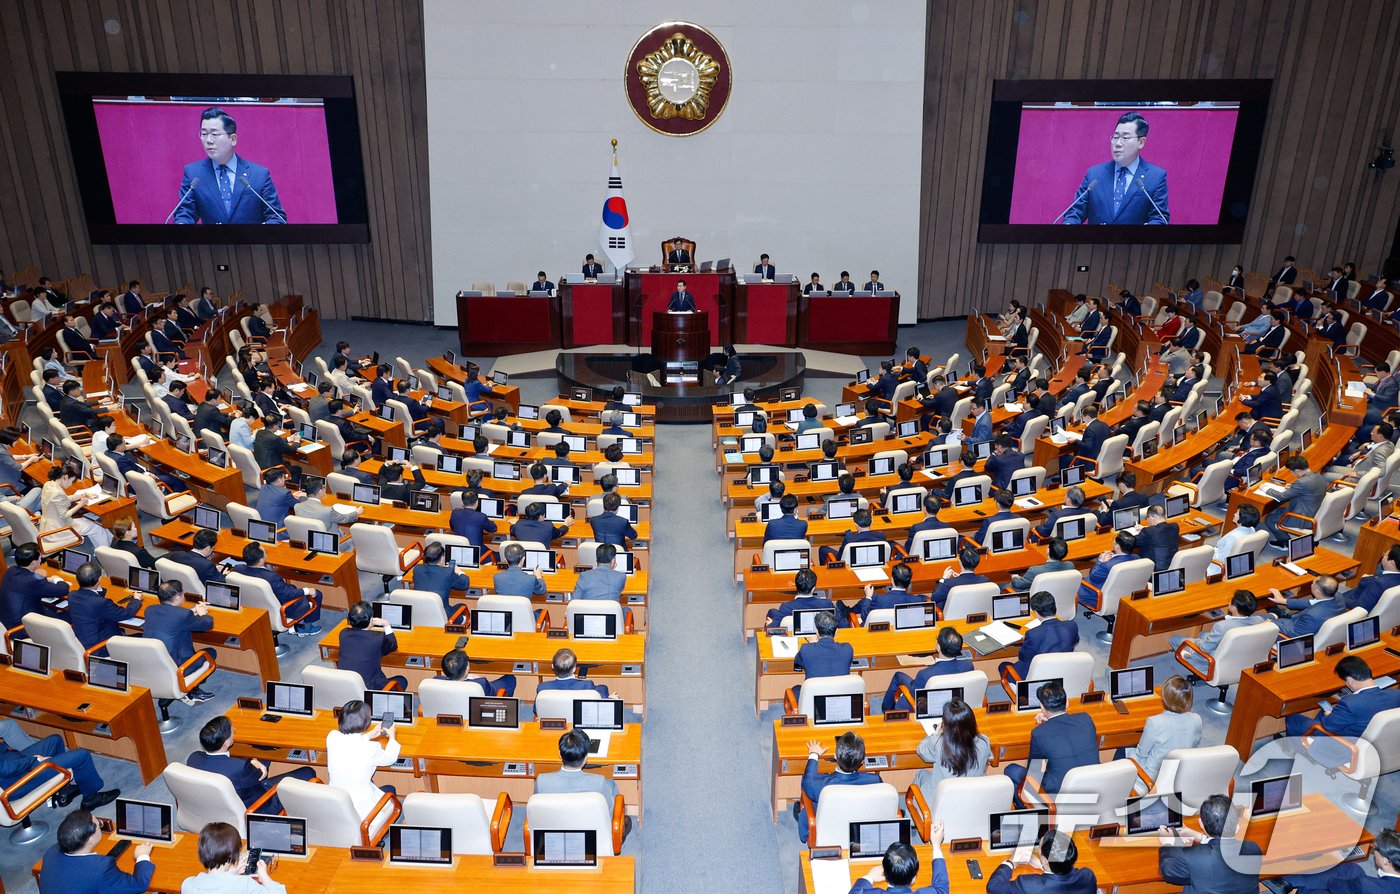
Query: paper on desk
point(1191, 537)
point(1268, 490)
point(134, 622)
point(1029, 503)
point(1356, 389)
point(1014, 407)
point(97, 394)
point(139, 441)
point(930, 724)
point(307, 448)
point(846, 420)
point(831, 876)
point(784, 646)
point(1293, 568)
point(930, 473)
point(1004, 635)
point(996, 338)
point(870, 575)
point(300, 386)
point(602, 737)
point(344, 508)
point(1065, 437)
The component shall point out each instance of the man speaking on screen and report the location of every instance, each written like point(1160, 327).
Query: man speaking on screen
point(1128, 190)
point(224, 188)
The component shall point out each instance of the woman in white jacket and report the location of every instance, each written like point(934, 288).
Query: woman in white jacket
point(353, 754)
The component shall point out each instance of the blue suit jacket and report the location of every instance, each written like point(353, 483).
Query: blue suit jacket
point(888, 599)
point(471, 524)
point(1047, 527)
point(982, 428)
point(785, 527)
point(981, 535)
point(91, 874)
point(813, 782)
point(440, 579)
point(1065, 741)
point(1310, 619)
point(600, 583)
point(281, 589)
point(928, 524)
point(1096, 206)
point(939, 886)
point(246, 779)
point(804, 602)
point(1159, 543)
point(609, 527)
point(1354, 710)
point(573, 684)
point(174, 625)
point(1001, 467)
point(204, 204)
point(517, 582)
point(274, 504)
point(1208, 868)
point(1051, 635)
point(1368, 592)
point(824, 658)
point(203, 566)
point(681, 301)
point(362, 651)
point(1267, 404)
point(1099, 573)
point(1095, 433)
point(940, 592)
point(95, 617)
point(941, 667)
point(21, 592)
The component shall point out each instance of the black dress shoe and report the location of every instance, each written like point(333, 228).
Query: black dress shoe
point(101, 799)
point(65, 795)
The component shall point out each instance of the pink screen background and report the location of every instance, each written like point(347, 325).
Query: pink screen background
point(1056, 146)
point(146, 148)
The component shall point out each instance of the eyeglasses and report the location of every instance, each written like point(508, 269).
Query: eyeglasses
point(207, 134)
point(1117, 139)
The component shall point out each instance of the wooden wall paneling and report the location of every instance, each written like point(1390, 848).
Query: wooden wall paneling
point(380, 44)
point(1313, 197)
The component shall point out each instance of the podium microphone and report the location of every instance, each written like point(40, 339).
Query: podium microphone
point(184, 195)
point(279, 214)
point(1084, 192)
point(1141, 185)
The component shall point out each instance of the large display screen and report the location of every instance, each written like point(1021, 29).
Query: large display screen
point(236, 159)
point(1121, 162)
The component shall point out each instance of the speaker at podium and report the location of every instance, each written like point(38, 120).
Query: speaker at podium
point(680, 341)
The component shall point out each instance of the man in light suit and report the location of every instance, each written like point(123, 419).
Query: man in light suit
point(602, 581)
point(1126, 190)
point(1064, 741)
point(1306, 614)
point(216, 190)
point(682, 301)
point(565, 666)
point(1214, 862)
point(73, 866)
point(949, 660)
point(1372, 456)
point(572, 778)
point(1348, 717)
point(1243, 611)
point(1302, 497)
point(1049, 634)
point(982, 421)
point(1055, 856)
point(764, 269)
point(437, 574)
point(249, 777)
point(514, 580)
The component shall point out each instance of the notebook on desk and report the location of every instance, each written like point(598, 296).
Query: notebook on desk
point(992, 637)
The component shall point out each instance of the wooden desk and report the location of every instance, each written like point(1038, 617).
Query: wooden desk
point(558, 585)
point(447, 759)
point(330, 869)
point(336, 577)
point(1143, 626)
point(1009, 733)
point(503, 395)
point(618, 663)
point(131, 734)
point(1373, 539)
point(1263, 700)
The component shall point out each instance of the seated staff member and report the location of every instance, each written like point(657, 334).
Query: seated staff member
point(571, 777)
point(72, 864)
point(363, 645)
point(249, 777)
point(844, 283)
point(949, 660)
point(850, 764)
point(814, 285)
point(174, 625)
point(1054, 857)
point(353, 754)
point(457, 666)
point(24, 588)
point(591, 268)
point(294, 599)
point(565, 667)
point(1213, 861)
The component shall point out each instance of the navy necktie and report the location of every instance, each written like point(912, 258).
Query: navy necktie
point(226, 187)
point(1120, 188)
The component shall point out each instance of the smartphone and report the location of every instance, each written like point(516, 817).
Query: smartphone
point(271, 718)
point(84, 706)
point(1120, 707)
point(974, 869)
point(119, 848)
point(461, 642)
point(386, 721)
point(254, 855)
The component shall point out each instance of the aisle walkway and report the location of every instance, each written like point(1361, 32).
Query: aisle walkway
point(707, 782)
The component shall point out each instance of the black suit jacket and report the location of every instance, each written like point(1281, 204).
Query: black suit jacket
point(678, 256)
point(1159, 543)
point(1065, 741)
point(362, 650)
point(1202, 868)
point(1285, 275)
point(1080, 880)
point(246, 779)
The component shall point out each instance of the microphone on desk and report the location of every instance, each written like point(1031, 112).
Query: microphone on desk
point(279, 214)
point(184, 195)
point(1140, 185)
point(1082, 193)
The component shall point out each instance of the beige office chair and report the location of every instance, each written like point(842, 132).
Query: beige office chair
point(65, 652)
point(973, 683)
point(329, 435)
point(254, 592)
point(850, 684)
point(840, 805)
point(246, 465)
point(1064, 586)
point(578, 810)
point(1123, 579)
point(23, 530)
point(773, 546)
point(331, 818)
point(522, 612)
point(377, 552)
point(116, 564)
point(1388, 608)
point(1192, 775)
point(622, 621)
point(1194, 561)
point(449, 697)
point(332, 687)
point(558, 704)
point(963, 805)
point(1375, 754)
point(154, 501)
point(969, 599)
point(1334, 630)
point(1075, 669)
point(1091, 795)
point(473, 831)
point(150, 665)
point(16, 810)
point(1240, 648)
point(178, 571)
point(202, 797)
point(427, 608)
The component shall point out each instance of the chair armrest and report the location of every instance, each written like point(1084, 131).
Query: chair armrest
point(45, 767)
point(1306, 518)
point(908, 695)
point(289, 622)
point(789, 702)
point(1350, 765)
point(500, 821)
point(9, 487)
point(918, 811)
point(1032, 792)
point(186, 687)
point(261, 802)
point(415, 545)
point(458, 614)
point(811, 811)
point(56, 531)
point(619, 823)
point(1142, 774)
point(542, 624)
point(97, 648)
point(1098, 604)
point(1191, 645)
point(9, 635)
point(629, 625)
point(388, 799)
point(392, 686)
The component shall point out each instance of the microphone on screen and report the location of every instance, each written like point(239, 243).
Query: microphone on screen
point(184, 195)
point(280, 215)
point(1140, 183)
point(1082, 193)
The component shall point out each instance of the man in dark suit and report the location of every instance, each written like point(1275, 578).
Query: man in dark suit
point(679, 255)
point(470, 522)
point(73, 411)
point(1049, 634)
point(914, 366)
point(1123, 546)
point(1159, 539)
point(609, 527)
point(74, 340)
point(949, 660)
point(968, 560)
point(930, 522)
point(850, 761)
point(1097, 349)
point(1126, 190)
point(591, 268)
point(1350, 878)
point(541, 283)
point(1073, 506)
point(1302, 615)
point(1273, 339)
point(682, 301)
point(199, 557)
point(764, 269)
point(363, 644)
point(94, 617)
point(565, 666)
point(786, 526)
point(1268, 403)
point(1093, 320)
point(896, 594)
point(295, 600)
point(1379, 299)
point(249, 777)
point(803, 599)
point(532, 526)
point(1330, 326)
point(1286, 275)
point(1005, 460)
point(204, 306)
point(53, 388)
point(825, 657)
point(1126, 497)
point(874, 285)
point(1348, 717)
point(1092, 439)
point(132, 303)
point(382, 388)
point(72, 864)
point(1368, 592)
point(1055, 856)
point(1063, 741)
point(23, 589)
point(177, 400)
point(1213, 862)
point(457, 666)
point(1075, 391)
point(844, 284)
point(225, 188)
point(268, 449)
point(861, 534)
point(175, 625)
point(1187, 382)
point(208, 416)
point(1004, 501)
point(1040, 402)
point(105, 323)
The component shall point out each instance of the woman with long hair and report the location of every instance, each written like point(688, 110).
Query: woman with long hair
point(956, 750)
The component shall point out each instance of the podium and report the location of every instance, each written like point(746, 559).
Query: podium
point(680, 342)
